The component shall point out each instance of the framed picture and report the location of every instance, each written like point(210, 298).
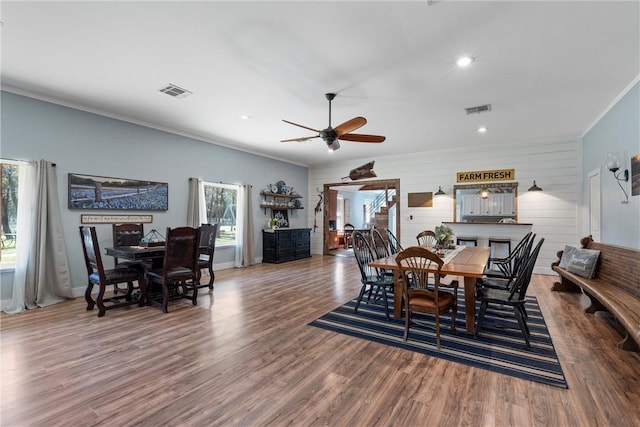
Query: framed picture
point(106, 193)
point(115, 219)
point(282, 217)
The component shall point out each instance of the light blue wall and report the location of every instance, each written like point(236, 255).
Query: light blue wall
point(85, 143)
point(357, 210)
point(618, 130)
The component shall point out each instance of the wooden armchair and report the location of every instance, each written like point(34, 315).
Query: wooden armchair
point(98, 276)
point(348, 235)
point(372, 279)
point(208, 234)
point(514, 297)
point(127, 235)
point(178, 276)
point(420, 296)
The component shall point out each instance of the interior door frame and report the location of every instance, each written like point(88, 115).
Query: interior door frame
point(594, 174)
point(381, 184)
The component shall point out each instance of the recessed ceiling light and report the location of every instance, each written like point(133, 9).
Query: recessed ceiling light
point(482, 129)
point(245, 117)
point(464, 61)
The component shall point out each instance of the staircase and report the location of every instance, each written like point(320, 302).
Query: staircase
point(379, 215)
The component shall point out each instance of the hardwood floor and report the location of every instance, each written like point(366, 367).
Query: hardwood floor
point(245, 356)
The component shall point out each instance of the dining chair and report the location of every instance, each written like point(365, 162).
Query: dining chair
point(371, 278)
point(208, 234)
point(348, 232)
point(126, 235)
point(98, 276)
point(514, 297)
point(380, 249)
point(178, 276)
point(510, 267)
point(394, 244)
point(507, 265)
point(421, 296)
point(379, 244)
point(426, 238)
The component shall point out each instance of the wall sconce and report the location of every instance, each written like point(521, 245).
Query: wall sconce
point(534, 187)
point(439, 192)
point(614, 163)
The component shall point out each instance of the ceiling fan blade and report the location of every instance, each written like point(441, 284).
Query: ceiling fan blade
point(358, 137)
point(350, 125)
point(304, 138)
point(300, 126)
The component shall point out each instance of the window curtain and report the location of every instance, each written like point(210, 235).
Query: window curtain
point(42, 275)
point(196, 210)
point(245, 252)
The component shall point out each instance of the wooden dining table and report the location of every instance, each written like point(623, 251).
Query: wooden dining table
point(140, 253)
point(136, 253)
point(469, 263)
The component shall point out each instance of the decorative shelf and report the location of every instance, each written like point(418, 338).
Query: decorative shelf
point(279, 201)
point(279, 206)
point(283, 196)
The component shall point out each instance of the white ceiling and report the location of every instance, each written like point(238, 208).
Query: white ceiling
point(548, 69)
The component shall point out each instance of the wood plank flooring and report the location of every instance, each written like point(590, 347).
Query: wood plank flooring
point(244, 356)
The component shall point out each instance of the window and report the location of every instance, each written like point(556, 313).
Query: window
point(367, 212)
point(221, 205)
point(9, 212)
point(340, 213)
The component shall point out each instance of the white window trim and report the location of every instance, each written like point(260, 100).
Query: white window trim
point(235, 187)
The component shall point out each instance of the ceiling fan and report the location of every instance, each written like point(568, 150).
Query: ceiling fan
point(343, 131)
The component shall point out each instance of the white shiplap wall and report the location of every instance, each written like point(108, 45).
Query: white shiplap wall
point(553, 212)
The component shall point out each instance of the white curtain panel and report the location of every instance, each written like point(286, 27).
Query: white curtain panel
point(42, 275)
point(245, 246)
point(196, 210)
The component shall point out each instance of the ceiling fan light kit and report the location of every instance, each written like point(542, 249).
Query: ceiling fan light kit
point(331, 135)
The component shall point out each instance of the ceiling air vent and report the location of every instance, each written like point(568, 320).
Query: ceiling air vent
point(479, 109)
point(175, 91)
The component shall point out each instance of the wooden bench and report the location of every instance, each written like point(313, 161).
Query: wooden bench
point(614, 289)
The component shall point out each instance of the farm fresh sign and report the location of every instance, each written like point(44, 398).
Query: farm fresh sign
point(492, 175)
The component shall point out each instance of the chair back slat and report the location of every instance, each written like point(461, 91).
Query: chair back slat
point(519, 288)
point(414, 264)
point(364, 255)
point(520, 254)
point(379, 244)
point(394, 244)
point(426, 238)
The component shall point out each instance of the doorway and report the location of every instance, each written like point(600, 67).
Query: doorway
point(594, 204)
point(386, 186)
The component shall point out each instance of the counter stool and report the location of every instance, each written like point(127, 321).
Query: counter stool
point(467, 240)
point(496, 244)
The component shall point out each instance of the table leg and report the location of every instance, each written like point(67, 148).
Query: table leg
point(470, 303)
point(142, 285)
point(397, 295)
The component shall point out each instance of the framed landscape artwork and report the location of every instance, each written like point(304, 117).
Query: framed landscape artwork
point(106, 193)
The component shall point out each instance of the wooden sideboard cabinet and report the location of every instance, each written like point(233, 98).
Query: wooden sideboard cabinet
point(286, 244)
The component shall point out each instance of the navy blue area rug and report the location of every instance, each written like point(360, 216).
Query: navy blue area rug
point(499, 347)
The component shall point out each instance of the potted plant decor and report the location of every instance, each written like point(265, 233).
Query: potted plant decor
point(443, 235)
